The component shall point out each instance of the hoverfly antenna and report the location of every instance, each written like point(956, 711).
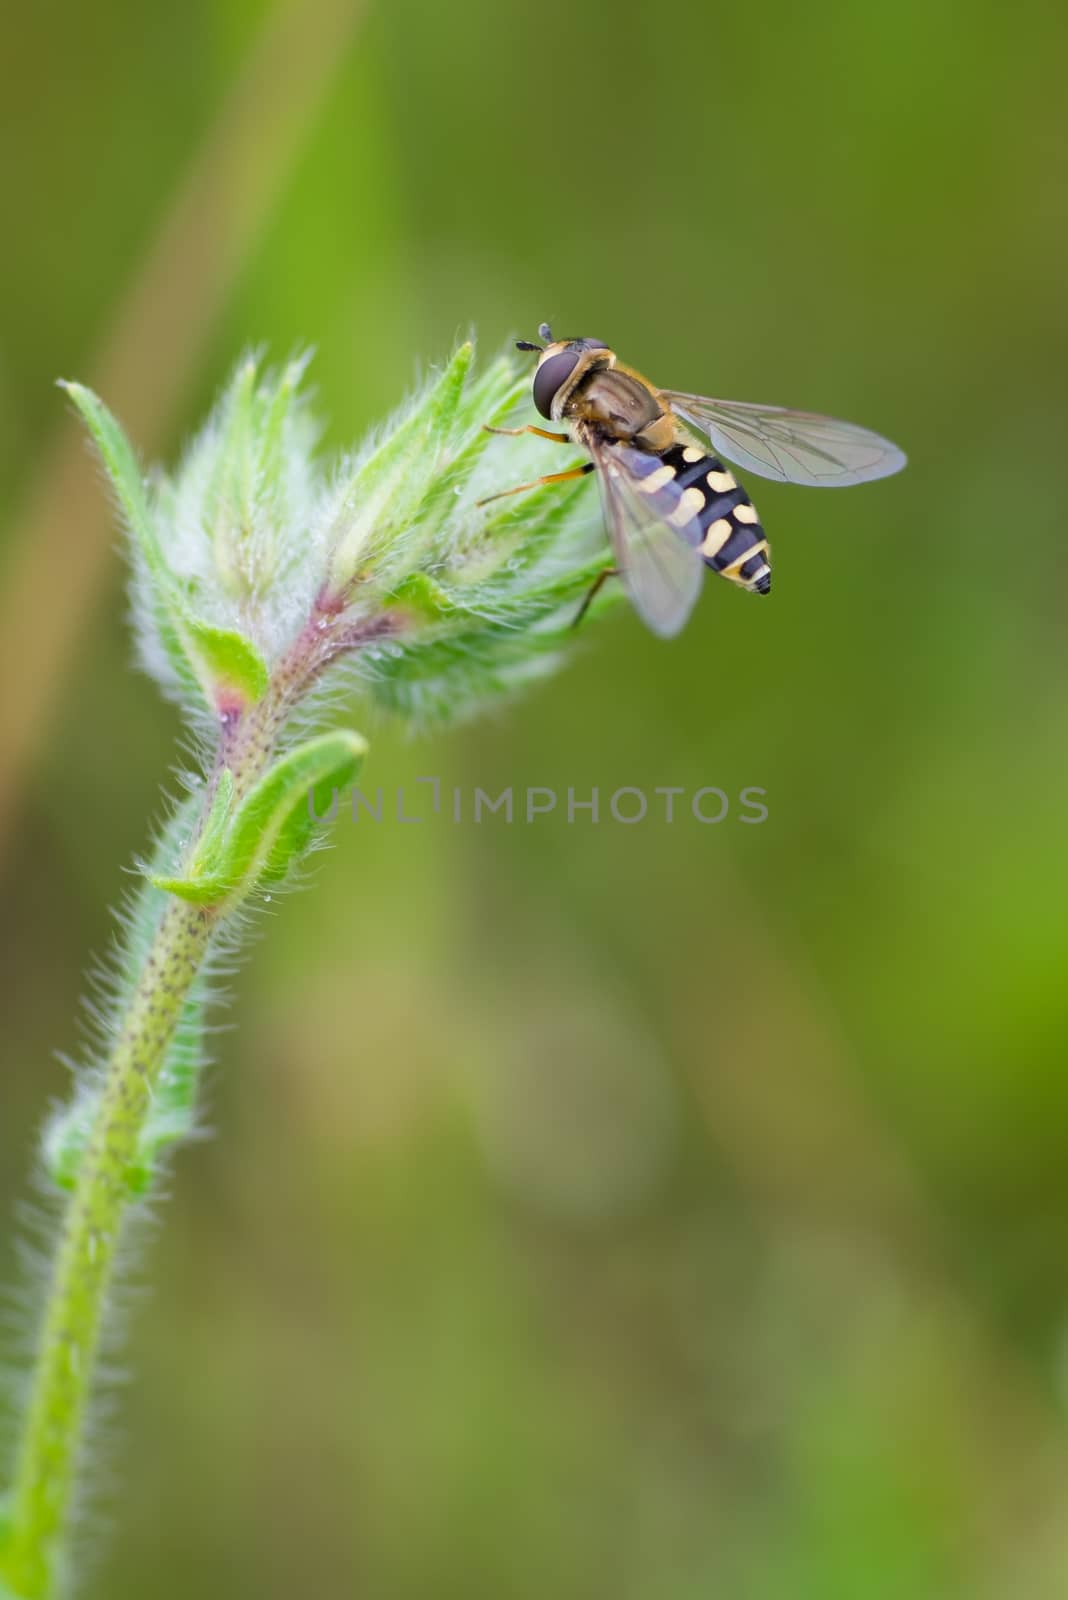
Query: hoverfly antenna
point(525, 344)
point(546, 333)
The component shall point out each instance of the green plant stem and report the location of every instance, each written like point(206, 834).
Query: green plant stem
point(37, 1510)
point(55, 1415)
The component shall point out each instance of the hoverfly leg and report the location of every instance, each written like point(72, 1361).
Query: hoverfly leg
point(595, 589)
point(550, 477)
point(542, 433)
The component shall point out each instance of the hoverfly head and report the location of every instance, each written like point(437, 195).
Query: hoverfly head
point(558, 360)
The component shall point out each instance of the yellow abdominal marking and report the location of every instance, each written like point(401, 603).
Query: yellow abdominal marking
point(735, 568)
point(692, 453)
point(746, 513)
point(656, 479)
point(721, 482)
point(690, 503)
point(716, 537)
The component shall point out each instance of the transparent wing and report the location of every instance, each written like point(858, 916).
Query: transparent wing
point(658, 560)
point(793, 446)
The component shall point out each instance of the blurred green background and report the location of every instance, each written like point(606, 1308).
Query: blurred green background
point(592, 1211)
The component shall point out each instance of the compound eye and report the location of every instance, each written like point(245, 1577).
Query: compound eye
point(550, 375)
point(595, 344)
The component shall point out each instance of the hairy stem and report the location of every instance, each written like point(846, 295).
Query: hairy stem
point(55, 1415)
point(37, 1509)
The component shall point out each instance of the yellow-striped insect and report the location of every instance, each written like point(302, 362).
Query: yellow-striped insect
point(671, 506)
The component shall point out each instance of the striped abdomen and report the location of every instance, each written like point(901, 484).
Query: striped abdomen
point(733, 542)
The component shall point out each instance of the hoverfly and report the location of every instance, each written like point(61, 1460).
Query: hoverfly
point(672, 508)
